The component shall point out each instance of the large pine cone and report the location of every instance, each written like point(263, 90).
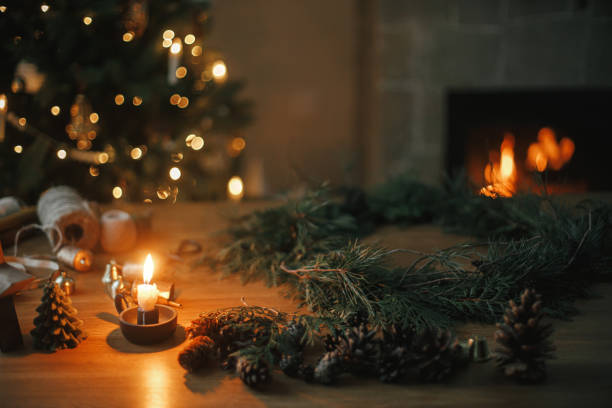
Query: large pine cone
point(202, 326)
point(393, 364)
point(328, 368)
point(290, 363)
point(295, 332)
point(395, 355)
point(200, 351)
point(436, 353)
point(358, 349)
point(253, 374)
point(524, 342)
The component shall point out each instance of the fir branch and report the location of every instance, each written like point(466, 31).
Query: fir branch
point(533, 241)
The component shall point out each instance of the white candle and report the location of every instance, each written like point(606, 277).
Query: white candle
point(3, 109)
point(147, 293)
point(173, 60)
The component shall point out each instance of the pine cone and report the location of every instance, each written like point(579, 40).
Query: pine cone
point(395, 353)
point(331, 342)
point(295, 332)
point(253, 374)
point(201, 351)
point(229, 363)
point(202, 326)
point(393, 363)
point(358, 349)
point(306, 372)
point(436, 354)
point(328, 368)
point(524, 341)
point(290, 364)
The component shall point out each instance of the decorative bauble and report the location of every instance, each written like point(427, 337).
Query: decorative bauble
point(66, 283)
point(29, 77)
point(118, 232)
point(83, 126)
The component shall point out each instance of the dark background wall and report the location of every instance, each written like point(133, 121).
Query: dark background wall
point(299, 58)
point(428, 47)
point(355, 90)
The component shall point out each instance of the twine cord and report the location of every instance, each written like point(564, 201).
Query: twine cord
point(63, 208)
point(46, 230)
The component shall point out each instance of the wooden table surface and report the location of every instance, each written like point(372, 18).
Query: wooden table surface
point(107, 371)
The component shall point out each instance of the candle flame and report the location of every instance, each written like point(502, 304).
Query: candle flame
point(147, 273)
point(3, 103)
point(176, 46)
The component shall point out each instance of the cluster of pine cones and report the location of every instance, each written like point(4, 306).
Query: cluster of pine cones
point(215, 337)
point(431, 354)
point(203, 352)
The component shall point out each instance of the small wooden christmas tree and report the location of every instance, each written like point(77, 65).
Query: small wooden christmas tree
point(56, 326)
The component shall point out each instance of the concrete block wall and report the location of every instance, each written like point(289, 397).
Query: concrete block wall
point(426, 47)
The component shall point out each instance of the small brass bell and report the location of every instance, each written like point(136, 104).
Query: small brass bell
point(479, 352)
point(66, 283)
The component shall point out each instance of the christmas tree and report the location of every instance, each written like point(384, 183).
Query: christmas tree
point(56, 326)
point(117, 98)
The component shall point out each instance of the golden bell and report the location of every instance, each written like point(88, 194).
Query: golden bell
point(66, 283)
point(480, 350)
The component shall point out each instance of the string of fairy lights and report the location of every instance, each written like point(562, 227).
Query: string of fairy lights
point(216, 71)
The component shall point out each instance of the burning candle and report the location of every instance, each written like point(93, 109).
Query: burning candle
point(3, 109)
point(147, 293)
point(173, 60)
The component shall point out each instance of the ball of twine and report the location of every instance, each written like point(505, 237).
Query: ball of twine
point(118, 231)
point(9, 205)
point(63, 208)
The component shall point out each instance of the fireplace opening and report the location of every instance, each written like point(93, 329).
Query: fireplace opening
point(502, 138)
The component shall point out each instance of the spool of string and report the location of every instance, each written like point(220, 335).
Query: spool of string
point(63, 208)
point(77, 258)
point(118, 231)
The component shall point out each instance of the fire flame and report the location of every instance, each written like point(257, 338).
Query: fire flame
point(501, 172)
point(501, 175)
point(547, 152)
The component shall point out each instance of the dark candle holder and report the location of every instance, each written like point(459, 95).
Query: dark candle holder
point(148, 316)
point(148, 333)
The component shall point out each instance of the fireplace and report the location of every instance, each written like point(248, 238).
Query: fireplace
point(502, 138)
